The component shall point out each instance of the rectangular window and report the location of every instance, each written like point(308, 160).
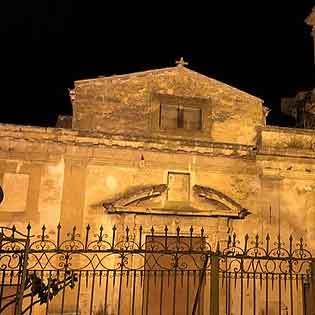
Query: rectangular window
point(180, 117)
point(168, 117)
point(192, 118)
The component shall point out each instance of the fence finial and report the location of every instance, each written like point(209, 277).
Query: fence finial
point(127, 234)
point(43, 232)
point(218, 247)
point(28, 228)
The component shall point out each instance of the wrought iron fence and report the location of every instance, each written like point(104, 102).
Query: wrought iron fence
point(152, 272)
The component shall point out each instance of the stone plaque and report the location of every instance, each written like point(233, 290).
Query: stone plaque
point(178, 187)
point(15, 188)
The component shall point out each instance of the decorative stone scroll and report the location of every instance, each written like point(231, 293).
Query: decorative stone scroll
point(228, 205)
point(206, 202)
point(135, 196)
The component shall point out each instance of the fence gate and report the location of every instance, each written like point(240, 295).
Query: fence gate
point(152, 272)
point(14, 248)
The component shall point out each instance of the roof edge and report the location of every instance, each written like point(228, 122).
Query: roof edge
point(224, 84)
point(169, 69)
point(137, 73)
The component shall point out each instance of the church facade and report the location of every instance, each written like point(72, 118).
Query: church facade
point(168, 147)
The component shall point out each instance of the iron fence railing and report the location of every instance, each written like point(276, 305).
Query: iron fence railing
point(138, 270)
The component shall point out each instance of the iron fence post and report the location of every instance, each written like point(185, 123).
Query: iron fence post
point(214, 288)
point(20, 294)
point(312, 291)
point(201, 280)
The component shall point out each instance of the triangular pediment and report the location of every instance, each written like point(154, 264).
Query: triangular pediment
point(173, 72)
point(128, 105)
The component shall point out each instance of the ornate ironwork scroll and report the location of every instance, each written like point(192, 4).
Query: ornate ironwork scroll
point(34, 267)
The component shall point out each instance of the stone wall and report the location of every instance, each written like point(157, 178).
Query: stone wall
point(72, 173)
point(65, 176)
point(126, 104)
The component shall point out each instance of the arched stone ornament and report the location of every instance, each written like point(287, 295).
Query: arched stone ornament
point(206, 202)
point(229, 207)
point(135, 197)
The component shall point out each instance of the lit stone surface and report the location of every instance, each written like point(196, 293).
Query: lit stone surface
point(15, 187)
point(109, 104)
point(72, 172)
point(114, 166)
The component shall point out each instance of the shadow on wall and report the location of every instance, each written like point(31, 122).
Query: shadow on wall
point(1, 195)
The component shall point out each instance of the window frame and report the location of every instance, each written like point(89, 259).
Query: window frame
point(31, 211)
point(180, 116)
point(202, 103)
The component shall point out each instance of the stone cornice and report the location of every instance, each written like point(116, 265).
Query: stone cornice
point(286, 142)
point(165, 212)
point(75, 142)
point(54, 142)
point(286, 130)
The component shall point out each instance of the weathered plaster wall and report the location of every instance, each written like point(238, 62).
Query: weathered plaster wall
point(20, 158)
point(286, 158)
point(50, 194)
point(72, 173)
point(104, 182)
point(65, 175)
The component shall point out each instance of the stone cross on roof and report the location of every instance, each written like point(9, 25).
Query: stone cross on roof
point(181, 62)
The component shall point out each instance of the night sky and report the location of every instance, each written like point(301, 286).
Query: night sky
point(261, 47)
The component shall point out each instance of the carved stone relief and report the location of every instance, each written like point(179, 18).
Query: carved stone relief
point(205, 201)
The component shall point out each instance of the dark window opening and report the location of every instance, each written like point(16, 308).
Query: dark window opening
point(180, 117)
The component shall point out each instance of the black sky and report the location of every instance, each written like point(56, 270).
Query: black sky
point(262, 47)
